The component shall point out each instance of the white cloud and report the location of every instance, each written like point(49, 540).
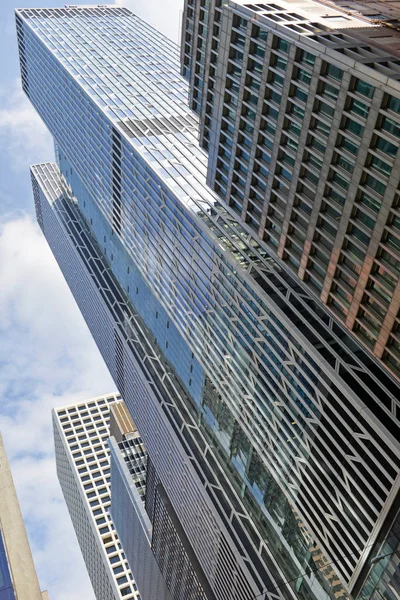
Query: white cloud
point(165, 16)
point(23, 136)
point(47, 359)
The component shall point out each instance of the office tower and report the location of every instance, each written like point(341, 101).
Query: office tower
point(18, 578)
point(81, 432)
point(272, 435)
point(299, 109)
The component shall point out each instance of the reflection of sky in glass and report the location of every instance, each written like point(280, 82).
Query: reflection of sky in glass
point(6, 592)
point(132, 73)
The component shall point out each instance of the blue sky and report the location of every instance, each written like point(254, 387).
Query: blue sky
point(47, 356)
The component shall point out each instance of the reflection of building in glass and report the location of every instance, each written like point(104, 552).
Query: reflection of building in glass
point(273, 435)
point(18, 579)
point(383, 568)
point(81, 432)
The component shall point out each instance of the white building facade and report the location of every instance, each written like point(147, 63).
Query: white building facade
point(81, 432)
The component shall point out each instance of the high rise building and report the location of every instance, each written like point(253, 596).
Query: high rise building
point(81, 432)
point(272, 433)
point(18, 578)
point(300, 111)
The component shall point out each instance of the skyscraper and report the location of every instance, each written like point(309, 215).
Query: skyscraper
point(81, 432)
point(18, 578)
point(299, 109)
point(272, 435)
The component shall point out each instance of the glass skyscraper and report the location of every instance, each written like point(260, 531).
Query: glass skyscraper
point(272, 433)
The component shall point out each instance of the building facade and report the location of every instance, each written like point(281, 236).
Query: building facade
point(18, 578)
point(81, 432)
point(300, 111)
point(273, 434)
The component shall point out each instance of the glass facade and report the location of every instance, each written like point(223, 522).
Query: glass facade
point(383, 579)
point(6, 587)
point(261, 415)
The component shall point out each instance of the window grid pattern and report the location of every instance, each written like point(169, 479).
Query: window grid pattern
point(135, 456)
point(316, 190)
point(81, 432)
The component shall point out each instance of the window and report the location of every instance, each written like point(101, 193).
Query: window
point(391, 126)
point(375, 185)
point(104, 530)
point(346, 144)
point(306, 58)
point(322, 127)
point(118, 569)
point(344, 163)
point(353, 127)
point(393, 104)
point(380, 166)
point(359, 108)
point(325, 109)
point(370, 202)
point(385, 146)
point(359, 235)
point(329, 91)
point(364, 88)
point(390, 260)
point(334, 72)
point(278, 62)
point(114, 559)
point(303, 75)
point(282, 45)
point(340, 180)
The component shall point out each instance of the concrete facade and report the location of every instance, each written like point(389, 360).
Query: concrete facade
point(18, 553)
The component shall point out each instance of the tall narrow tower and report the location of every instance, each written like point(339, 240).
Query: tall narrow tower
point(18, 578)
point(81, 432)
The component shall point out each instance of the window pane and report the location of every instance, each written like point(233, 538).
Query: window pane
point(364, 88)
point(391, 126)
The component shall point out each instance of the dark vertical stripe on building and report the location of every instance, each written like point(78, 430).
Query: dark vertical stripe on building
point(22, 57)
point(36, 199)
point(116, 180)
point(119, 364)
point(178, 563)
